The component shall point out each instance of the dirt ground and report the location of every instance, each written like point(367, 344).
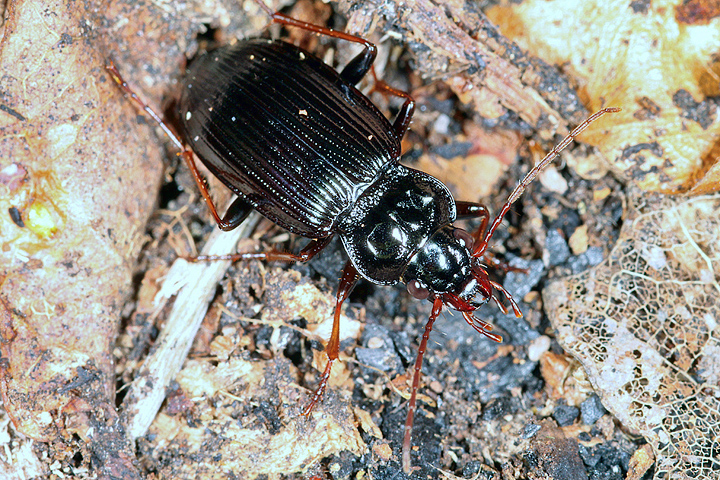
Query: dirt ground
point(203, 370)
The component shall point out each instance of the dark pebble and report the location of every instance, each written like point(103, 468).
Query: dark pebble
point(565, 415)
point(530, 430)
point(591, 410)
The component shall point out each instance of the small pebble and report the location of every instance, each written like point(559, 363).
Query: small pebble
point(579, 240)
point(553, 181)
point(565, 415)
point(556, 248)
point(530, 430)
point(537, 347)
point(591, 410)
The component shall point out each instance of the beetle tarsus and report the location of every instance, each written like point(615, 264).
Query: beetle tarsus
point(320, 390)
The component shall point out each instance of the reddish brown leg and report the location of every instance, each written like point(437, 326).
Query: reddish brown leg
point(315, 246)
point(228, 222)
point(437, 308)
point(491, 259)
point(358, 66)
point(474, 210)
point(283, 19)
point(404, 116)
point(348, 280)
point(471, 210)
point(482, 246)
point(500, 288)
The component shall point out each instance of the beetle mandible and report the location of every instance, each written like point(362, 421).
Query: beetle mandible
point(296, 141)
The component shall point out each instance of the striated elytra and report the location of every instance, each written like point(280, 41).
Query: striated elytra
point(301, 145)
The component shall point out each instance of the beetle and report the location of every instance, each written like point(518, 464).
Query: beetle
point(295, 140)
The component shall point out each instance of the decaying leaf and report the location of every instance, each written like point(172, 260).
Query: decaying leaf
point(644, 324)
point(639, 56)
point(454, 42)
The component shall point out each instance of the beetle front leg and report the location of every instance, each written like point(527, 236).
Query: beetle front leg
point(349, 278)
point(412, 404)
point(467, 210)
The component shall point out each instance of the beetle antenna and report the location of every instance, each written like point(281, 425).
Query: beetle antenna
point(482, 246)
point(264, 6)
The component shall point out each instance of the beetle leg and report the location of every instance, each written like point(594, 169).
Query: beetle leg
point(437, 308)
point(499, 304)
point(348, 280)
point(236, 213)
point(356, 69)
point(491, 259)
point(239, 209)
point(471, 210)
point(474, 210)
point(404, 116)
point(315, 246)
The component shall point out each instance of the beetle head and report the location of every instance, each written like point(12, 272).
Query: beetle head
point(446, 268)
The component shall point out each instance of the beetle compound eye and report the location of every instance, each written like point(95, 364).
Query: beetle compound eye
point(416, 289)
point(464, 237)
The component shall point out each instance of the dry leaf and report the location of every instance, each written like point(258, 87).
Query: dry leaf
point(644, 324)
point(664, 74)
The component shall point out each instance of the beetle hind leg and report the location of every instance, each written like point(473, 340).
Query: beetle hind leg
point(315, 246)
point(239, 209)
point(356, 69)
point(237, 212)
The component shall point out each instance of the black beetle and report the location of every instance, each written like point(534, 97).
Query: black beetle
point(296, 141)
